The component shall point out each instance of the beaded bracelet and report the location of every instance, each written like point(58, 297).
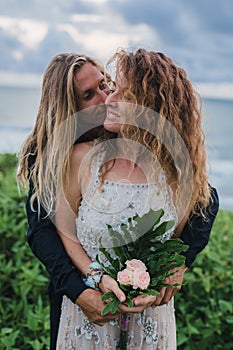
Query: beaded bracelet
point(94, 275)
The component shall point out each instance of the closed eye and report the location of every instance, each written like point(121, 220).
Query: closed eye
point(89, 94)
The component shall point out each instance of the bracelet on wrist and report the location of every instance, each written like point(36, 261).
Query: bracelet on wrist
point(94, 276)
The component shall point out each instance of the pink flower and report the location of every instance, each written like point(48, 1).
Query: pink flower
point(141, 279)
point(134, 275)
point(135, 264)
point(125, 277)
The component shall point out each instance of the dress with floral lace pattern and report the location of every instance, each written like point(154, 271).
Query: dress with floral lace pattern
point(113, 203)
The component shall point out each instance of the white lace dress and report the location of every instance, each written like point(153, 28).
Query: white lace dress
point(113, 204)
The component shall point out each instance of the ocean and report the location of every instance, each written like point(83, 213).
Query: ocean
point(18, 109)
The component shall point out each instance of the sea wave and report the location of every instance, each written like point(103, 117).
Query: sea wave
point(12, 137)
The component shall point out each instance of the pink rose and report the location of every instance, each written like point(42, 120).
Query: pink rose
point(141, 279)
point(125, 277)
point(135, 264)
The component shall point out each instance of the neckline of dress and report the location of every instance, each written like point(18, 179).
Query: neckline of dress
point(122, 184)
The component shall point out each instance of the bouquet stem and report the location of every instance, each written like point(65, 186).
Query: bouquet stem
point(124, 332)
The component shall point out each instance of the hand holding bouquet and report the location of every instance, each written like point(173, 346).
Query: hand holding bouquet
point(142, 257)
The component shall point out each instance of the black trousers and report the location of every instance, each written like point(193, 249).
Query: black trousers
point(55, 313)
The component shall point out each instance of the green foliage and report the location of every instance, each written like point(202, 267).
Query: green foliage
point(142, 238)
point(203, 306)
point(24, 303)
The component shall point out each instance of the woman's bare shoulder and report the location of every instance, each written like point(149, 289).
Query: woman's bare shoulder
point(80, 150)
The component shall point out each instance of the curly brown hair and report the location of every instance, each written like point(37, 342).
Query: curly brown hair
point(153, 81)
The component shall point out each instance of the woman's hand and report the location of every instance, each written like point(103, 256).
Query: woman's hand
point(108, 284)
point(142, 302)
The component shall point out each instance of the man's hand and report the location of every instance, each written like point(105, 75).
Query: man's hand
point(92, 305)
point(141, 303)
point(167, 293)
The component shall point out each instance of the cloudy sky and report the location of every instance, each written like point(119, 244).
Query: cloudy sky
point(197, 35)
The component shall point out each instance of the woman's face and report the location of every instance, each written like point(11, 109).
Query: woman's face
point(113, 111)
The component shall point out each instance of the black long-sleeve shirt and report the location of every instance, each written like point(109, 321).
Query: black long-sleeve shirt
point(48, 248)
point(196, 232)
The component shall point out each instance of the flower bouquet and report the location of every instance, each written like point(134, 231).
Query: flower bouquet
point(141, 258)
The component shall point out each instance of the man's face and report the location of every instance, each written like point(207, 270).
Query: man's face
point(92, 87)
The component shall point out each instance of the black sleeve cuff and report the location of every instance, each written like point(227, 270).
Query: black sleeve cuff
point(73, 286)
point(196, 232)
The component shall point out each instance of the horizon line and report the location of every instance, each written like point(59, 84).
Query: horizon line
point(218, 90)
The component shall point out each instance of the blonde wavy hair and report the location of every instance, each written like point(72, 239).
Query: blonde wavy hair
point(152, 80)
point(54, 130)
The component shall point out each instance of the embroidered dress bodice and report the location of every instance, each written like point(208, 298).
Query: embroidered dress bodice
point(113, 203)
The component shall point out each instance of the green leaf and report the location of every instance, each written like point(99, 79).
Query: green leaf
point(124, 287)
point(129, 302)
point(107, 296)
point(133, 293)
point(112, 306)
point(107, 309)
point(148, 221)
point(226, 306)
point(109, 258)
point(151, 292)
point(229, 319)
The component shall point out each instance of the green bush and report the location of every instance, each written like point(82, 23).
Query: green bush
point(203, 306)
point(24, 302)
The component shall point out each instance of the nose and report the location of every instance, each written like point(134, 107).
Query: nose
point(112, 97)
point(102, 96)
